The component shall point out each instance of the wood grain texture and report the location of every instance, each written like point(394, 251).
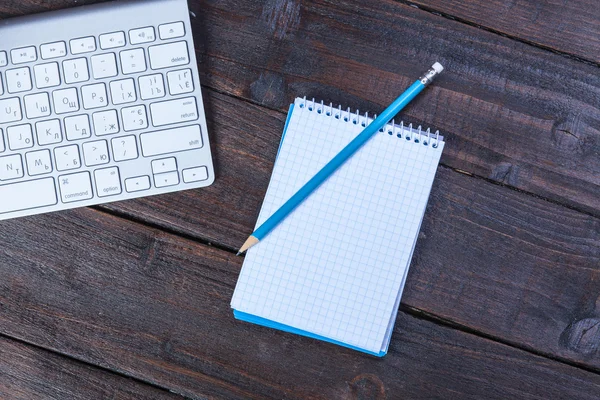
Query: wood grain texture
point(29, 373)
point(512, 113)
point(509, 265)
point(155, 306)
point(567, 26)
point(15, 8)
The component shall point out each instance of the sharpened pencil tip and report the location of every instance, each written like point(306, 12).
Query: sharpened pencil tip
point(251, 241)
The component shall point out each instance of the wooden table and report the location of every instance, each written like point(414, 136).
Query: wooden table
point(131, 300)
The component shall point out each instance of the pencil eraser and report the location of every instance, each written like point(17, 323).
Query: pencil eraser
point(438, 67)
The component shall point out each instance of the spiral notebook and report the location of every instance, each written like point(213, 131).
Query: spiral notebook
point(335, 268)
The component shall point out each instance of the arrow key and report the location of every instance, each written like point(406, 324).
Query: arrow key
point(164, 165)
point(195, 174)
point(166, 179)
point(137, 184)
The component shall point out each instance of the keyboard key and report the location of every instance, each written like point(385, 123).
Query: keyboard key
point(152, 87)
point(142, 35)
point(112, 40)
point(106, 123)
point(1, 142)
point(134, 118)
point(133, 61)
point(95, 153)
point(27, 195)
point(65, 101)
point(76, 70)
point(170, 31)
point(78, 127)
point(10, 110)
point(23, 55)
point(174, 111)
point(37, 105)
point(53, 50)
point(3, 59)
point(1, 87)
point(195, 174)
point(67, 158)
point(94, 96)
point(48, 132)
point(104, 66)
point(137, 184)
point(108, 182)
point(166, 179)
point(19, 137)
point(123, 91)
point(164, 165)
point(38, 162)
point(168, 55)
point(180, 82)
point(83, 45)
point(171, 140)
point(46, 75)
point(18, 80)
point(124, 148)
point(11, 167)
point(75, 187)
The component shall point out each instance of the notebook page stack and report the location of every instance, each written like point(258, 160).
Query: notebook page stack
point(336, 267)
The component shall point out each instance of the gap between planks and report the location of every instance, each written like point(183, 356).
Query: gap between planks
point(486, 179)
point(464, 21)
point(95, 366)
point(434, 319)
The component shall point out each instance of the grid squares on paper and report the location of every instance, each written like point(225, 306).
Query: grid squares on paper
point(336, 265)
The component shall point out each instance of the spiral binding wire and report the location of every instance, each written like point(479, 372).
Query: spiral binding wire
point(409, 133)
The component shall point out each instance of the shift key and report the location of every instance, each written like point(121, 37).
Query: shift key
point(171, 140)
point(174, 111)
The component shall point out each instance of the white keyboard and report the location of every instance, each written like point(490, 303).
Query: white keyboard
point(98, 104)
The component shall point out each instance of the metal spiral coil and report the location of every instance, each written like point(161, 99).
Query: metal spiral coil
point(411, 134)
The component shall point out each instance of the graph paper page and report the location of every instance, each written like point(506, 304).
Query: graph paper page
point(336, 265)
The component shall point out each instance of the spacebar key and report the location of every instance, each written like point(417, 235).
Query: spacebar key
point(171, 140)
point(26, 195)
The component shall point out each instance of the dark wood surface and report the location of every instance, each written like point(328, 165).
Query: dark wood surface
point(31, 373)
point(502, 296)
point(569, 27)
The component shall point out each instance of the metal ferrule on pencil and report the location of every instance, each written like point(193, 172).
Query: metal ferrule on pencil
point(429, 76)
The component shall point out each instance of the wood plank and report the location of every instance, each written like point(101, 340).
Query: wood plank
point(571, 27)
point(512, 113)
point(28, 373)
point(510, 265)
point(156, 306)
point(15, 8)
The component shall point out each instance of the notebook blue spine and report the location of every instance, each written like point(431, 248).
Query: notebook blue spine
point(242, 316)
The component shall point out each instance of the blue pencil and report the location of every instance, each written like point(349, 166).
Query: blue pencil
point(341, 157)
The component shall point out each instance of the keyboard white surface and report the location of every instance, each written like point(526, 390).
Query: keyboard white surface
point(99, 104)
